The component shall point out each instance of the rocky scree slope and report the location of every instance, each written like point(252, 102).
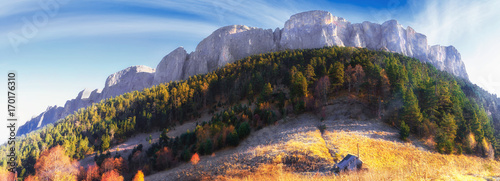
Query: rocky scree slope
point(312, 29)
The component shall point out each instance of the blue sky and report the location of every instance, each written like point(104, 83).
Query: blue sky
point(77, 44)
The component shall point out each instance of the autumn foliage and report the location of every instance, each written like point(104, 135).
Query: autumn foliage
point(139, 176)
point(164, 158)
point(53, 164)
point(89, 174)
point(433, 104)
point(6, 175)
point(112, 175)
point(117, 164)
point(195, 159)
point(30, 178)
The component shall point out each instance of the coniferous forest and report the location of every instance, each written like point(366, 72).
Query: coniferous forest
point(257, 91)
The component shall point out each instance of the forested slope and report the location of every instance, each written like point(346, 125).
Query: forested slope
point(402, 91)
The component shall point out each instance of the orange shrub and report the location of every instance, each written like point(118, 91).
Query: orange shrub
point(195, 159)
point(29, 178)
point(111, 176)
point(89, 174)
point(139, 176)
point(118, 164)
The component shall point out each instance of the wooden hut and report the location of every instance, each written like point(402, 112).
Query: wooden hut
point(349, 163)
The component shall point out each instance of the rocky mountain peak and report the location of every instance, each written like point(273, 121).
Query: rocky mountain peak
point(131, 78)
point(170, 67)
point(310, 18)
point(311, 29)
point(226, 45)
point(84, 94)
point(124, 74)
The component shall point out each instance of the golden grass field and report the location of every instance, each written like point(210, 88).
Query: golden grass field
point(386, 160)
point(264, 154)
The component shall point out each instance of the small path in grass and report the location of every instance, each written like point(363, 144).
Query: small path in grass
point(263, 145)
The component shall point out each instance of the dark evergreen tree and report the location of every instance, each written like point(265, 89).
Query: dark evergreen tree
point(411, 112)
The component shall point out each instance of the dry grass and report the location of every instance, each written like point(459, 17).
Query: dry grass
point(386, 160)
point(407, 162)
point(309, 143)
point(265, 154)
point(307, 148)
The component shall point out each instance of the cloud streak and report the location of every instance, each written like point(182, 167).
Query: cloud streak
point(472, 27)
point(11, 8)
point(225, 12)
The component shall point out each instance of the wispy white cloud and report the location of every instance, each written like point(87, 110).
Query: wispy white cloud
point(266, 14)
point(447, 20)
point(472, 27)
point(213, 14)
point(10, 8)
point(254, 13)
point(125, 25)
point(113, 26)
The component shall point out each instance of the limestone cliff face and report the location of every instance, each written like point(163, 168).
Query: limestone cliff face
point(316, 29)
point(82, 100)
point(129, 79)
point(170, 67)
point(312, 29)
point(226, 45)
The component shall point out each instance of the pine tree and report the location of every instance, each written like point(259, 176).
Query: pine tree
point(267, 91)
point(105, 142)
point(310, 75)
point(299, 85)
point(250, 91)
point(429, 101)
point(336, 72)
point(411, 112)
point(404, 131)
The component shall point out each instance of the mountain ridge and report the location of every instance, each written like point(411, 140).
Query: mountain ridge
point(256, 92)
point(311, 29)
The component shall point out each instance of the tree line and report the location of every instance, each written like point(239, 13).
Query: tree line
point(404, 92)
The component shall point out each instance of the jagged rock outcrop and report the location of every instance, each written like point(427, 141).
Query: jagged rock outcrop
point(316, 29)
point(312, 29)
point(170, 67)
point(129, 79)
point(226, 45)
point(95, 95)
point(82, 100)
point(50, 115)
point(447, 59)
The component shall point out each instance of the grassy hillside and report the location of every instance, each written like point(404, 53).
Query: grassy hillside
point(400, 90)
point(386, 160)
point(295, 149)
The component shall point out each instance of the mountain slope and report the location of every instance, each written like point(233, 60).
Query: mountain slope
point(313, 29)
point(256, 91)
point(260, 156)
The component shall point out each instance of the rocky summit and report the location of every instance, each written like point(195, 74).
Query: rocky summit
point(312, 29)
